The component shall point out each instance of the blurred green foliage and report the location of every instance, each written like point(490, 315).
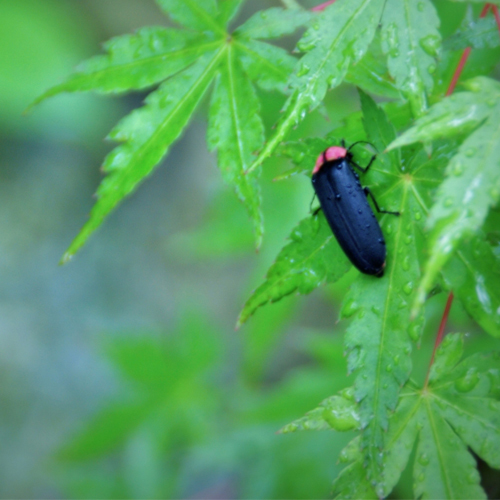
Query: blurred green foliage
point(121, 374)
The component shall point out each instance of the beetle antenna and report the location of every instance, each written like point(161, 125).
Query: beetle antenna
point(362, 142)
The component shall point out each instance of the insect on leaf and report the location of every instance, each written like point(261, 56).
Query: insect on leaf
point(378, 336)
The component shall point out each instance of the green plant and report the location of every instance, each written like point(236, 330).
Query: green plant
point(441, 173)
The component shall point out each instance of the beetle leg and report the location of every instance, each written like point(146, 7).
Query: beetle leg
point(365, 169)
point(311, 206)
point(368, 192)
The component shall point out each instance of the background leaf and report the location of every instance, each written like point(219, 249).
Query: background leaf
point(267, 65)
point(472, 186)
point(339, 37)
point(410, 30)
point(236, 131)
point(445, 419)
point(228, 9)
point(192, 14)
point(371, 73)
point(336, 412)
point(473, 274)
point(478, 35)
point(136, 61)
point(273, 23)
point(312, 258)
point(147, 134)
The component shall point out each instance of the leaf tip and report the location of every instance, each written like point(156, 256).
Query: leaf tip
point(66, 258)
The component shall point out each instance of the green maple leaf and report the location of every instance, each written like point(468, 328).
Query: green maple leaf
point(302, 265)
point(458, 409)
point(472, 184)
point(478, 35)
point(339, 37)
point(185, 63)
point(378, 339)
point(339, 46)
point(411, 40)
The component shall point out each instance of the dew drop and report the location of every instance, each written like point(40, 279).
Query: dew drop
point(448, 202)
point(420, 6)
point(430, 45)
point(458, 168)
point(414, 331)
point(306, 45)
point(468, 381)
point(423, 459)
point(470, 152)
point(406, 263)
point(303, 70)
point(431, 69)
point(350, 307)
point(418, 215)
point(408, 288)
point(388, 368)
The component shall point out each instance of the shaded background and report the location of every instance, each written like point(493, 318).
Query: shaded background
point(121, 374)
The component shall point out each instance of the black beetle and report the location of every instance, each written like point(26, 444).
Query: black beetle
point(345, 205)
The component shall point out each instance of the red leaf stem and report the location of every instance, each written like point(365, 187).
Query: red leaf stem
point(322, 6)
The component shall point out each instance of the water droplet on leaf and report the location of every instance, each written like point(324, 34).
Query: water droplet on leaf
point(350, 307)
point(468, 381)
